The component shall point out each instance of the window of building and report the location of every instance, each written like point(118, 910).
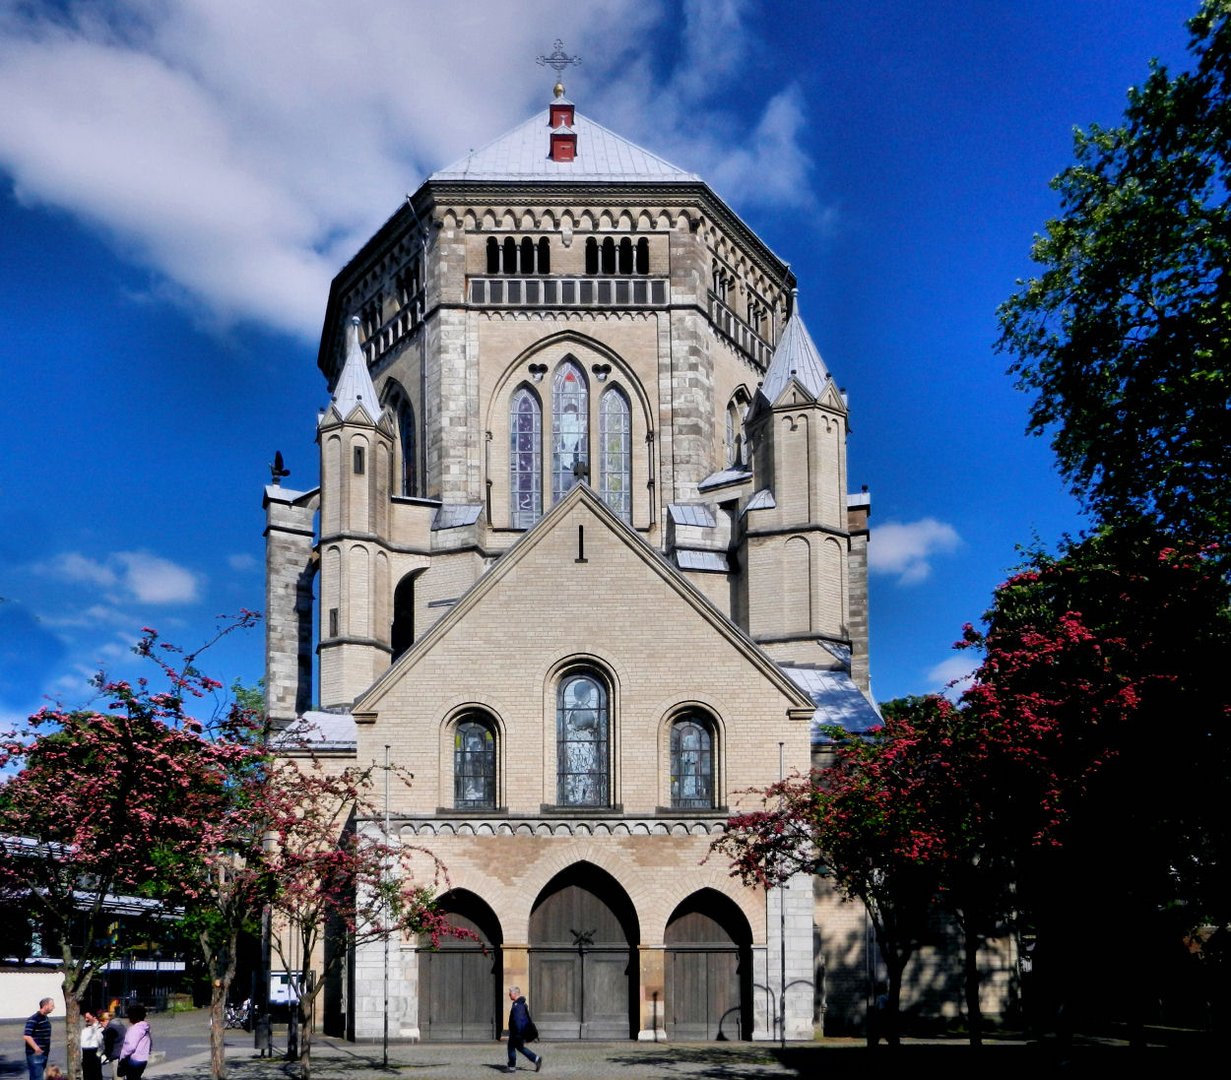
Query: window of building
point(692, 764)
point(474, 766)
point(406, 438)
point(582, 742)
point(615, 455)
point(734, 437)
point(525, 459)
point(513, 256)
point(359, 462)
point(570, 427)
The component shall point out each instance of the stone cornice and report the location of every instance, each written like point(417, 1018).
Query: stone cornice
point(598, 825)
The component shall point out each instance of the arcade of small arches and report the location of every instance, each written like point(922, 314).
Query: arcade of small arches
point(581, 957)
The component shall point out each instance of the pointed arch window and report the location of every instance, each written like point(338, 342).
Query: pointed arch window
point(525, 459)
point(582, 741)
point(570, 427)
point(474, 765)
point(692, 764)
point(406, 438)
point(734, 439)
point(615, 455)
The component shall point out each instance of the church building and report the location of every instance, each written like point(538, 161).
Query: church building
point(583, 558)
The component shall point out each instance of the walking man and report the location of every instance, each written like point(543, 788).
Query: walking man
point(38, 1039)
point(521, 1029)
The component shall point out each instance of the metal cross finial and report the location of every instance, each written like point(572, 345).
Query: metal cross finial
point(558, 59)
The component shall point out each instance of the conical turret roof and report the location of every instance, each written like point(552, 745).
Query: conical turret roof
point(796, 357)
point(355, 385)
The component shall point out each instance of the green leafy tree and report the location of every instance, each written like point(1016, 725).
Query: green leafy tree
point(1124, 336)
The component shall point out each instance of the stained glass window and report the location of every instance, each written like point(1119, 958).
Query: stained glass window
point(474, 766)
point(525, 459)
point(581, 742)
point(692, 765)
point(615, 460)
point(570, 427)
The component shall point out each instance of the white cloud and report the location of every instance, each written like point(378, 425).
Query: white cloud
point(907, 548)
point(243, 152)
point(242, 562)
point(153, 580)
point(125, 576)
point(952, 676)
point(74, 567)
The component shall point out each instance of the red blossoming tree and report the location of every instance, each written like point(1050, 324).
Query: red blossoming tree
point(107, 803)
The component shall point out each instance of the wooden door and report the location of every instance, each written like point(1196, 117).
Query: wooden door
point(582, 977)
point(708, 970)
point(703, 994)
point(457, 1001)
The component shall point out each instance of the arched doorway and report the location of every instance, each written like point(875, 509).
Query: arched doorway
point(459, 981)
point(709, 969)
point(583, 968)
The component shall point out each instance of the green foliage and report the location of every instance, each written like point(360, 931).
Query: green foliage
point(1124, 336)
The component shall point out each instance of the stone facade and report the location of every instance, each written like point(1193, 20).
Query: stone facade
point(583, 532)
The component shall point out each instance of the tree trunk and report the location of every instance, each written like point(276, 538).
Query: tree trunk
point(217, 1029)
point(72, 1029)
point(221, 964)
point(974, 1008)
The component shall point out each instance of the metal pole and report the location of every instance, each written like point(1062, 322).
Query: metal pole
point(385, 1044)
point(781, 938)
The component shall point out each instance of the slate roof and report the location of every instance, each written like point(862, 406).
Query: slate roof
point(837, 699)
point(355, 382)
point(524, 154)
point(700, 514)
point(795, 357)
point(320, 731)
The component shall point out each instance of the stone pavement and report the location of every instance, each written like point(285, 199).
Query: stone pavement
point(184, 1038)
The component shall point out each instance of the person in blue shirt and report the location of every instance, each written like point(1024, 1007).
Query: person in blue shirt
point(521, 1028)
point(38, 1039)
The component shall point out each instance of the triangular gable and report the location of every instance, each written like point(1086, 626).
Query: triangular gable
point(554, 531)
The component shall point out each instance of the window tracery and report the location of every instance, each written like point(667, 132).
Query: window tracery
point(692, 764)
point(582, 742)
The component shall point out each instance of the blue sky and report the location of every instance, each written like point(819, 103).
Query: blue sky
point(180, 179)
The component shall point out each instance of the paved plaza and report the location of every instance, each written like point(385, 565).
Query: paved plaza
point(182, 1053)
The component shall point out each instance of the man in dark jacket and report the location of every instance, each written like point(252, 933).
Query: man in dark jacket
point(521, 1028)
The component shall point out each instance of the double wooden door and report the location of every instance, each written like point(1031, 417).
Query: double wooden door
point(582, 967)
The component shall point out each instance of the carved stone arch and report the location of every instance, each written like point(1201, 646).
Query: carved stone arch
point(583, 933)
point(625, 222)
point(586, 222)
point(796, 585)
point(479, 713)
point(508, 221)
point(358, 574)
point(558, 344)
point(708, 969)
point(469, 222)
point(833, 586)
point(489, 220)
point(711, 715)
point(448, 219)
point(547, 221)
point(566, 221)
point(605, 221)
point(527, 219)
point(460, 991)
point(663, 220)
point(645, 222)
